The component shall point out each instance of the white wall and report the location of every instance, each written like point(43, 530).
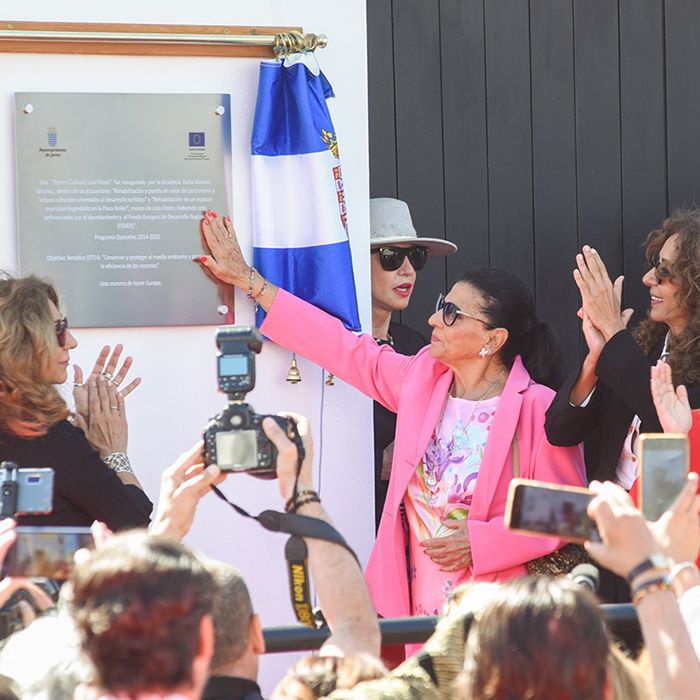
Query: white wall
point(179, 390)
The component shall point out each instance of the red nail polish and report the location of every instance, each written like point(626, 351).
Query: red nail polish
point(205, 222)
point(199, 259)
point(214, 215)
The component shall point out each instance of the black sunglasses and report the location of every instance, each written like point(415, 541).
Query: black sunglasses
point(61, 329)
point(662, 270)
point(450, 312)
point(391, 257)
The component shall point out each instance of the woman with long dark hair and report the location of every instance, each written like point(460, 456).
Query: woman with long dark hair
point(470, 414)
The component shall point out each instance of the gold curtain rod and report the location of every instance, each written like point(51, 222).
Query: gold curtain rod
point(156, 39)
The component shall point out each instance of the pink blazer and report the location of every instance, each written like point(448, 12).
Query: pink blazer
point(415, 387)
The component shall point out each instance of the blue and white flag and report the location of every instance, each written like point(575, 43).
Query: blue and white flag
point(300, 231)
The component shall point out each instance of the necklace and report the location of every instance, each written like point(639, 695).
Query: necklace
point(385, 341)
point(492, 386)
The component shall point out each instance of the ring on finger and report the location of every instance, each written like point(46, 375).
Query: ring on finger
point(115, 409)
point(106, 375)
point(78, 384)
point(115, 381)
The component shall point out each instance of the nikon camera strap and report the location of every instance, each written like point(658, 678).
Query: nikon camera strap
point(295, 551)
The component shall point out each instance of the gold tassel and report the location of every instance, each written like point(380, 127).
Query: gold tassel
point(293, 374)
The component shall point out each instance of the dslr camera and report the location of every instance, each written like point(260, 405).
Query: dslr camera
point(234, 439)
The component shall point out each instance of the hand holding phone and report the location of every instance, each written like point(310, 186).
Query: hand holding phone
point(663, 467)
point(46, 551)
point(550, 510)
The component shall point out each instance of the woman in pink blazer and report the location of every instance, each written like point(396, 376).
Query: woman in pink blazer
point(465, 405)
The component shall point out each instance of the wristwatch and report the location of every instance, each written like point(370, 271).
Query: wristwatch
point(655, 561)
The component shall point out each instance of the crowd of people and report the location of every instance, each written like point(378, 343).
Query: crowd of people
point(143, 616)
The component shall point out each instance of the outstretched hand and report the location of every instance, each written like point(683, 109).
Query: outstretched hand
point(224, 260)
point(672, 405)
point(105, 366)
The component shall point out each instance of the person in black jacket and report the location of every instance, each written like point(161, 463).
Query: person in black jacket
point(93, 479)
point(397, 254)
point(608, 402)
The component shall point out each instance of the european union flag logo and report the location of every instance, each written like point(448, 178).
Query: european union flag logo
point(196, 139)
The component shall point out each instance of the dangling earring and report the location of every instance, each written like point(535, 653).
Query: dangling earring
point(483, 352)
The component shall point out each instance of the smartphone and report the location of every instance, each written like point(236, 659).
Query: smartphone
point(46, 551)
point(663, 468)
point(552, 510)
point(25, 491)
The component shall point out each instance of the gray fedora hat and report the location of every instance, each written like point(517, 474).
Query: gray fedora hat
point(390, 223)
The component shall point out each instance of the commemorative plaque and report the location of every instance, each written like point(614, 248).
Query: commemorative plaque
point(111, 188)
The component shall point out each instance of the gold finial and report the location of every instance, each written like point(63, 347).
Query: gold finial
point(287, 43)
point(330, 379)
point(293, 374)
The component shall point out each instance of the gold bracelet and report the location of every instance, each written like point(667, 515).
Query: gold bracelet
point(653, 586)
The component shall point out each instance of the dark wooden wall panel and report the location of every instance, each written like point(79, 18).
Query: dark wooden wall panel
point(509, 136)
point(419, 137)
point(644, 202)
point(524, 129)
point(683, 101)
point(554, 169)
point(598, 127)
point(464, 128)
point(382, 110)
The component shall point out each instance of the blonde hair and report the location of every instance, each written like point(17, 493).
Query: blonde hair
point(317, 676)
point(29, 404)
point(626, 680)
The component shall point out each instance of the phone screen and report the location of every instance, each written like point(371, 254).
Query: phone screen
point(664, 467)
point(46, 551)
point(551, 510)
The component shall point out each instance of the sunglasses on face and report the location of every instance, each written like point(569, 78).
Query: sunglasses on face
point(450, 312)
point(391, 257)
point(662, 270)
point(61, 327)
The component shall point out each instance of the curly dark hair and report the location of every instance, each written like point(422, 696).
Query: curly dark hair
point(684, 349)
point(138, 602)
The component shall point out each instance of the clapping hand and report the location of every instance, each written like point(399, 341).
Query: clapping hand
point(601, 300)
point(106, 368)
